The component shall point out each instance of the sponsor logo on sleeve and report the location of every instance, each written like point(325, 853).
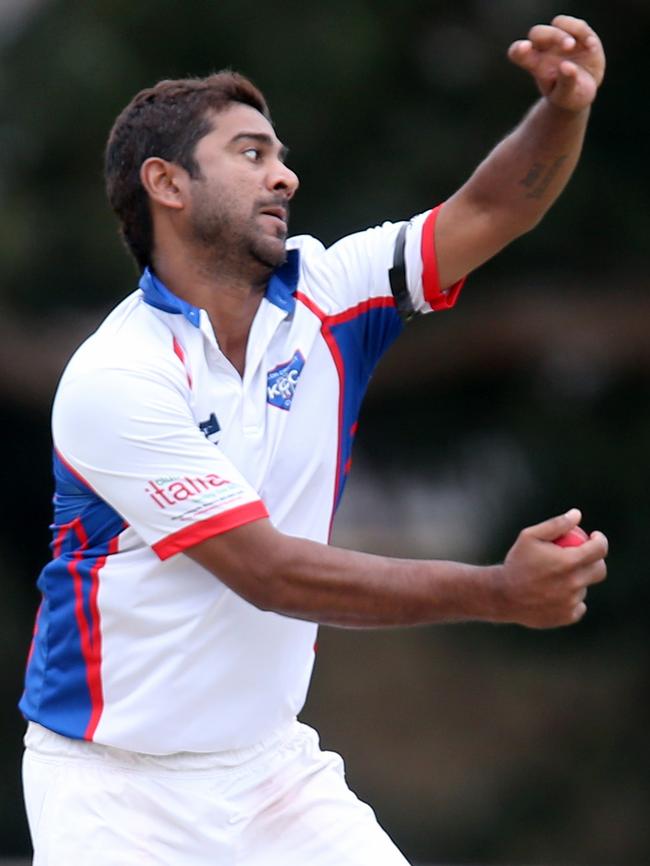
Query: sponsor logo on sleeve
point(191, 497)
point(281, 382)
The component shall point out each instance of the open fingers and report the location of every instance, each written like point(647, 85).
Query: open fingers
point(576, 27)
point(544, 37)
point(533, 55)
point(566, 41)
point(523, 54)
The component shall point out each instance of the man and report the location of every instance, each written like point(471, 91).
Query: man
point(202, 438)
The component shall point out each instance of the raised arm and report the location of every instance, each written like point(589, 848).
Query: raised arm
point(539, 585)
point(520, 179)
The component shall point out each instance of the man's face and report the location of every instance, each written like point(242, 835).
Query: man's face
point(240, 202)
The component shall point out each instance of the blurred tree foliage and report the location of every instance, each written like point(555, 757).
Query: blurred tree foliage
point(386, 107)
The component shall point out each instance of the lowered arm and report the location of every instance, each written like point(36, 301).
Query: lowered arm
point(539, 585)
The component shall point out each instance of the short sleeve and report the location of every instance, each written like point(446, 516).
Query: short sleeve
point(356, 269)
point(129, 438)
point(421, 264)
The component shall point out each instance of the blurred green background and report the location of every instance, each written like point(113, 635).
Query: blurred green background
point(476, 744)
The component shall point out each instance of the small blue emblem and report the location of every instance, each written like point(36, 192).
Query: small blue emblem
point(210, 427)
point(281, 382)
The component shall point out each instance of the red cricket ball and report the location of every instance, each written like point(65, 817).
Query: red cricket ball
point(573, 538)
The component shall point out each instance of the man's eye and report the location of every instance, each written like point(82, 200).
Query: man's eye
point(252, 153)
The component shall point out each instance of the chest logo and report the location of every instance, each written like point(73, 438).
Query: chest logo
point(281, 381)
point(210, 427)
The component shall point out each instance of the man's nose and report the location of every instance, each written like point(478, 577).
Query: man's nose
point(284, 179)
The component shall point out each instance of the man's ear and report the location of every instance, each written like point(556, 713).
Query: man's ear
point(164, 182)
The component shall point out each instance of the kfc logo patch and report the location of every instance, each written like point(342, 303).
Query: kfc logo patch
point(281, 382)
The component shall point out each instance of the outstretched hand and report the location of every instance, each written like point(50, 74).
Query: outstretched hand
point(565, 58)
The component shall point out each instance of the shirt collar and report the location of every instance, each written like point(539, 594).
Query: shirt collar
point(280, 291)
point(159, 296)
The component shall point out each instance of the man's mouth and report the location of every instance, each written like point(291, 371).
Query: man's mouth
point(277, 211)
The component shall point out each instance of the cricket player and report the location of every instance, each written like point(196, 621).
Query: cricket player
point(202, 440)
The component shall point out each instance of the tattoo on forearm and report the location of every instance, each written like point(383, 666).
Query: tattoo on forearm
point(540, 177)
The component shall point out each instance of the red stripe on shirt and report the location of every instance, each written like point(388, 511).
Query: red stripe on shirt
point(340, 371)
point(94, 664)
point(57, 545)
point(311, 306)
point(179, 541)
point(434, 295)
point(96, 699)
point(58, 541)
point(361, 308)
point(180, 353)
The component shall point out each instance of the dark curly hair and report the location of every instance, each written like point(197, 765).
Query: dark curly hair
point(166, 121)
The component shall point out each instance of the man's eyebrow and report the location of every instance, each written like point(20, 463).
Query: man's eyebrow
point(263, 138)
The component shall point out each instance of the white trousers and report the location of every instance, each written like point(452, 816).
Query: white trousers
point(283, 802)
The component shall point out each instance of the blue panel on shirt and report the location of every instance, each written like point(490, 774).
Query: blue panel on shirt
point(57, 693)
point(361, 342)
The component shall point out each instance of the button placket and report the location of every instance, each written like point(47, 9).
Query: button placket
point(265, 325)
point(254, 405)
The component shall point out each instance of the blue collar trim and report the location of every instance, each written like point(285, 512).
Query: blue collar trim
point(158, 295)
point(280, 291)
point(282, 286)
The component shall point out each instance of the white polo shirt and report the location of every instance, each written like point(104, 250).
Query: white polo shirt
point(159, 444)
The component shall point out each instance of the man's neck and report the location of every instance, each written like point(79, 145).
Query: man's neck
point(229, 295)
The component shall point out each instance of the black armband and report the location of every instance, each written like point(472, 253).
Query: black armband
point(397, 278)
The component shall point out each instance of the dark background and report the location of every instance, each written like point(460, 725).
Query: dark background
point(476, 744)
